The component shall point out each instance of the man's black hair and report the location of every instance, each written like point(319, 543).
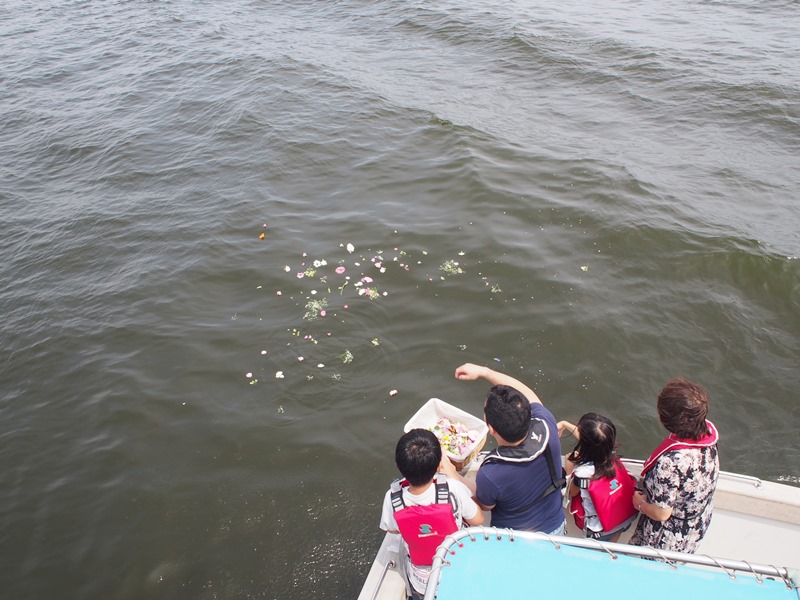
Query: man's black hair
point(418, 455)
point(508, 412)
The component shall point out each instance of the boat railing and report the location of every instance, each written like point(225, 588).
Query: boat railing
point(389, 565)
point(674, 559)
point(755, 481)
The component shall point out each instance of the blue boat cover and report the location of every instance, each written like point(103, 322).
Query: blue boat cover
point(524, 568)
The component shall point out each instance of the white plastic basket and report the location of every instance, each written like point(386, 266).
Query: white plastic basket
point(433, 410)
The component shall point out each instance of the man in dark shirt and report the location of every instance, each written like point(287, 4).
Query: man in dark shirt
point(520, 481)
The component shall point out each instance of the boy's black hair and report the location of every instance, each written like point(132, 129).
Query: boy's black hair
point(597, 444)
point(508, 412)
point(418, 455)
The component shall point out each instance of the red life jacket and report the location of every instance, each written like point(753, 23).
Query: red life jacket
point(611, 496)
point(673, 442)
point(424, 527)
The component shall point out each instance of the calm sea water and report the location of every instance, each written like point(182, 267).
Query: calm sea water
point(592, 196)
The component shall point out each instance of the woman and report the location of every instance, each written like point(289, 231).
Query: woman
point(680, 476)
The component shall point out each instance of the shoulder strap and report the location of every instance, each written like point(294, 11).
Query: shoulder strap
point(556, 483)
point(396, 494)
point(443, 495)
point(581, 482)
point(442, 489)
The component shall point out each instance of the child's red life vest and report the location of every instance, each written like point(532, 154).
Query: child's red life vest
point(424, 527)
point(612, 499)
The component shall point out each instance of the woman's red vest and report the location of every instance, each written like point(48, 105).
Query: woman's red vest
point(673, 442)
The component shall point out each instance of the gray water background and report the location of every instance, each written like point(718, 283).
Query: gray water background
point(617, 182)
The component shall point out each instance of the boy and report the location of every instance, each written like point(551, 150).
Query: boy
point(424, 507)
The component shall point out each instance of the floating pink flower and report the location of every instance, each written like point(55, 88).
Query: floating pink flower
point(340, 270)
point(366, 279)
point(322, 313)
point(301, 275)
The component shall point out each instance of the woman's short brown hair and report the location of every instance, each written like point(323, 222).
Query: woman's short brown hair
point(682, 408)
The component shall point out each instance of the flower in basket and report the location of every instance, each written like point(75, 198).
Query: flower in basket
point(454, 437)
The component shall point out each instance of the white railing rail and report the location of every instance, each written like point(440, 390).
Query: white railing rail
point(757, 483)
point(389, 565)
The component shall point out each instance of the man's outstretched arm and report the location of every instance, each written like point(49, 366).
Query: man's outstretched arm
point(470, 372)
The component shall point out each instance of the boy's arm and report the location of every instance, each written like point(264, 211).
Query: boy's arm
point(447, 467)
point(388, 523)
point(477, 519)
point(470, 372)
point(483, 506)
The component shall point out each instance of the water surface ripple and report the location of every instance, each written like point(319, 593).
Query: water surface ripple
point(594, 197)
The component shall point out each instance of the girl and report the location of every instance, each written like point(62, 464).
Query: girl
point(601, 488)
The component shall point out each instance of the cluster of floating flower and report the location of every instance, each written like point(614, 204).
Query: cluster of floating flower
point(454, 436)
point(364, 283)
point(352, 276)
point(326, 287)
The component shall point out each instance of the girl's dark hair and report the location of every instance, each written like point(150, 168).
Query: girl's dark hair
point(597, 445)
point(683, 408)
